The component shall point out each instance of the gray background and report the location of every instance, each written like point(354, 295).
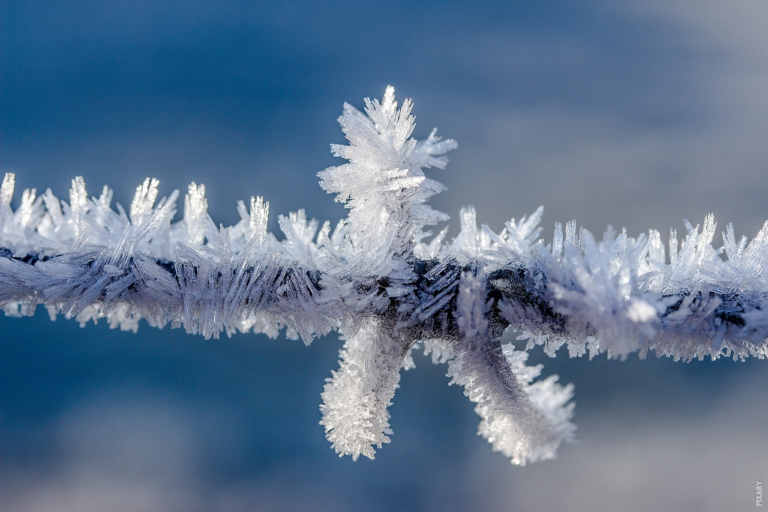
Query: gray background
point(637, 116)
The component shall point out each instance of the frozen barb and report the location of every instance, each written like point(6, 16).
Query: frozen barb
point(356, 398)
point(381, 282)
point(526, 422)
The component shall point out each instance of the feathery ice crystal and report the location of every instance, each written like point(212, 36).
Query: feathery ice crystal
point(386, 290)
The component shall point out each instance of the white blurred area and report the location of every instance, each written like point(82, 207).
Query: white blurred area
point(668, 122)
point(143, 455)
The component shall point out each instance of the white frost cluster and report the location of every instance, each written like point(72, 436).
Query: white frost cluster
point(356, 398)
point(523, 420)
point(387, 287)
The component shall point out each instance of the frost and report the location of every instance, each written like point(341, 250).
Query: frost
point(384, 185)
point(388, 288)
point(524, 421)
point(356, 398)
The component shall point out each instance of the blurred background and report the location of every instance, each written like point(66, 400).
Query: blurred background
point(638, 115)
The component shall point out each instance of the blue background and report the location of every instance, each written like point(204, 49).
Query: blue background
point(638, 116)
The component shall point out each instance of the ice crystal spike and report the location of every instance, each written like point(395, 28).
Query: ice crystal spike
point(387, 288)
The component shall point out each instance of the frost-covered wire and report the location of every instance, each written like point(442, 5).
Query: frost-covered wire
point(388, 286)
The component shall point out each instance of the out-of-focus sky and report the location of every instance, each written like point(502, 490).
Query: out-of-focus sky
point(638, 115)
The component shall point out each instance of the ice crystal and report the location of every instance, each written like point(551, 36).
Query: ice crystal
point(387, 288)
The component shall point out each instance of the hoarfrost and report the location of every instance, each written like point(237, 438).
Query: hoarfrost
point(379, 280)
